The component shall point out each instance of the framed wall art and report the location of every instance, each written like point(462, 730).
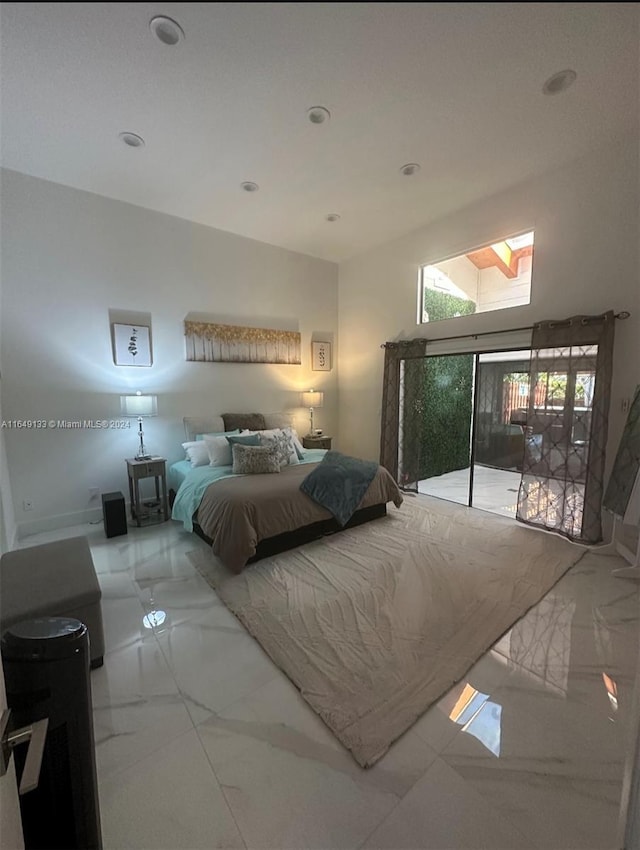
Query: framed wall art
point(216, 343)
point(131, 345)
point(321, 356)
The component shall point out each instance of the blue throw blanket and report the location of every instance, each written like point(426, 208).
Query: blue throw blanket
point(339, 482)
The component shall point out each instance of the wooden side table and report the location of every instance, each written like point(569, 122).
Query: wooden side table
point(311, 442)
point(155, 467)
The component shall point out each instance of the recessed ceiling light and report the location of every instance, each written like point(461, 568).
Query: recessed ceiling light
point(559, 82)
point(166, 30)
point(133, 140)
point(248, 186)
point(409, 169)
point(318, 114)
point(332, 217)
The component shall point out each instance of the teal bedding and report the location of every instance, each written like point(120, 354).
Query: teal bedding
point(178, 472)
point(197, 480)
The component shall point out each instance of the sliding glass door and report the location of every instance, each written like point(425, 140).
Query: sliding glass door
point(501, 403)
point(480, 426)
point(473, 428)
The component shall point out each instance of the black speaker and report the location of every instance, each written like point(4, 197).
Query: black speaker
point(114, 514)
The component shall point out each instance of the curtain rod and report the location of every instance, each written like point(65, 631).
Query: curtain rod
point(624, 314)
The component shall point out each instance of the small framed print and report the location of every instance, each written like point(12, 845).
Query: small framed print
point(321, 356)
point(131, 345)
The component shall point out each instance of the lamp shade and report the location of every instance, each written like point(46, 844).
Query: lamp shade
point(139, 405)
point(312, 399)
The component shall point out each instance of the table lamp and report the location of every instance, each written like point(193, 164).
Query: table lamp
point(312, 399)
point(139, 405)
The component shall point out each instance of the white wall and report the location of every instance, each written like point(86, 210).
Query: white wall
point(463, 273)
point(8, 530)
point(585, 218)
point(496, 291)
point(71, 257)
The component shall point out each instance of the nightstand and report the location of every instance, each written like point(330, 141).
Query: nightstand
point(311, 442)
point(155, 467)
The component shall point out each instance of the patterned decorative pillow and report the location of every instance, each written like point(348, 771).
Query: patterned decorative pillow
point(297, 445)
point(283, 443)
point(254, 460)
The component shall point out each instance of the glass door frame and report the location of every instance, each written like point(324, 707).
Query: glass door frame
point(476, 355)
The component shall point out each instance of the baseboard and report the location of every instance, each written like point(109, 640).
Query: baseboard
point(51, 523)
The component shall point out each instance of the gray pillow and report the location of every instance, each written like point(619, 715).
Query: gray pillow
point(254, 460)
point(250, 421)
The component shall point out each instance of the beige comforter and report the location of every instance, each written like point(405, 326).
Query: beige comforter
point(237, 513)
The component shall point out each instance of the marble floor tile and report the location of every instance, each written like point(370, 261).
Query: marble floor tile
point(122, 610)
point(180, 599)
point(443, 812)
point(547, 748)
point(270, 746)
point(171, 799)
point(214, 661)
point(137, 707)
point(436, 726)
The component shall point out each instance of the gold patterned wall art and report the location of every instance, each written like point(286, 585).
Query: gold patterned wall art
point(213, 343)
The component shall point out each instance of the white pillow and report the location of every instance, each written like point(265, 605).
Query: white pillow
point(197, 453)
point(219, 450)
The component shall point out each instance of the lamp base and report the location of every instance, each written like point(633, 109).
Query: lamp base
point(143, 454)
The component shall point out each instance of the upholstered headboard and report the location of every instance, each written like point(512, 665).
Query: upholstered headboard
point(215, 424)
point(202, 425)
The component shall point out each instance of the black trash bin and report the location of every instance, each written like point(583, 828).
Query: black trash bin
point(46, 672)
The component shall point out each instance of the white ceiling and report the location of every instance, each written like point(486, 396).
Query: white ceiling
point(455, 87)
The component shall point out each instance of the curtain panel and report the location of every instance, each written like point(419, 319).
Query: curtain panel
point(402, 405)
point(567, 423)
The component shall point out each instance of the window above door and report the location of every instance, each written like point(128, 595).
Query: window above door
point(493, 277)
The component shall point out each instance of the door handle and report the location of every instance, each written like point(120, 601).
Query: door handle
point(35, 733)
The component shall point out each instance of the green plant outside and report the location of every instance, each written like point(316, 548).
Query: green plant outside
point(441, 305)
point(448, 394)
point(446, 431)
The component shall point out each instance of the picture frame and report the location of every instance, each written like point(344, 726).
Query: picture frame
point(321, 356)
point(216, 343)
point(132, 345)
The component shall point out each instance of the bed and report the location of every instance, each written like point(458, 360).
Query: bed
point(248, 517)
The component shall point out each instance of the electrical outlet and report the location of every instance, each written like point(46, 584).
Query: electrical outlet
point(626, 404)
point(27, 505)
